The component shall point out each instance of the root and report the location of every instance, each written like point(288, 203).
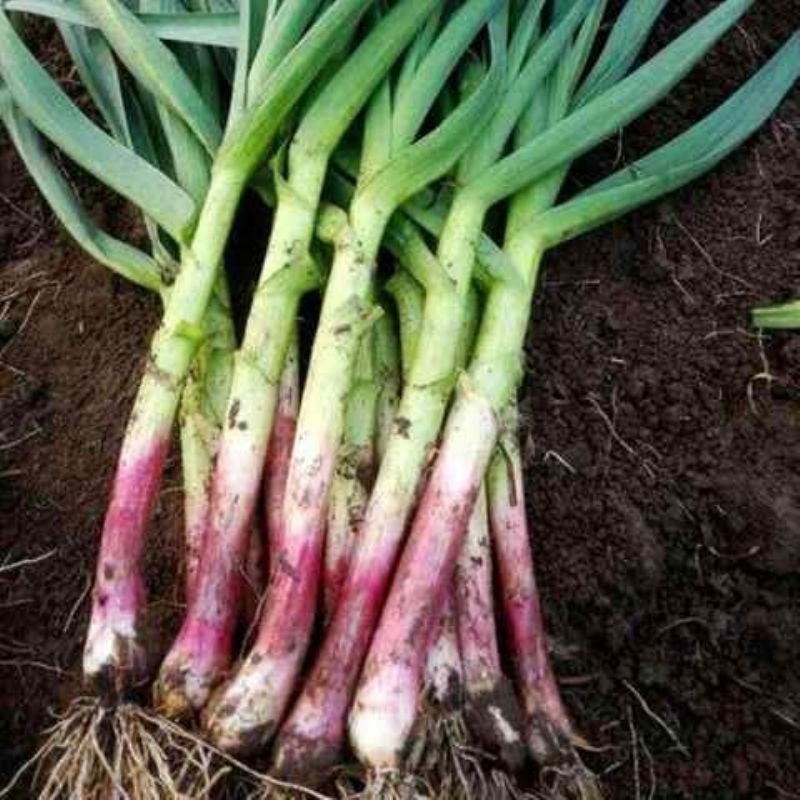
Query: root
point(125, 752)
point(563, 774)
point(387, 784)
point(97, 752)
point(456, 768)
point(570, 780)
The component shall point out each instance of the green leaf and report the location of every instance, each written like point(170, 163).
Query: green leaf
point(51, 111)
point(584, 128)
point(129, 262)
point(727, 126)
point(785, 316)
point(416, 165)
point(337, 105)
point(684, 158)
point(191, 163)
point(156, 68)
point(219, 28)
point(98, 73)
point(488, 147)
point(448, 49)
point(625, 42)
point(252, 17)
point(278, 37)
point(526, 31)
point(249, 137)
point(416, 52)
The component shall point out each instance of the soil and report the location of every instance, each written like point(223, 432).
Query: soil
point(662, 436)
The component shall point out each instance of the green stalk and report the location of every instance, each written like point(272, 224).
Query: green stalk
point(388, 378)
point(409, 297)
point(355, 469)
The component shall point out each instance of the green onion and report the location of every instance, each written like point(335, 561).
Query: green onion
point(392, 142)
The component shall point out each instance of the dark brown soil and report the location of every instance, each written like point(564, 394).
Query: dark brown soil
point(662, 439)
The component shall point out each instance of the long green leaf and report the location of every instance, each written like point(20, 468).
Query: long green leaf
point(249, 137)
point(99, 75)
point(252, 17)
point(345, 94)
point(129, 262)
point(742, 112)
point(682, 160)
point(191, 163)
point(584, 128)
point(416, 52)
point(210, 28)
point(156, 68)
point(277, 39)
point(525, 29)
point(98, 71)
point(448, 49)
point(51, 111)
point(625, 42)
point(488, 147)
point(417, 165)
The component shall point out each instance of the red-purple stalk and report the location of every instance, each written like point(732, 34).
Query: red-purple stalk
point(549, 728)
point(204, 646)
point(492, 710)
point(444, 671)
point(385, 706)
point(279, 453)
point(114, 658)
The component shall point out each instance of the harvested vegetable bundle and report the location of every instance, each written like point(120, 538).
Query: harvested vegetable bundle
point(392, 498)
point(246, 712)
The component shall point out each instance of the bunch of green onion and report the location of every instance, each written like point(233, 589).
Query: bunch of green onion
point(412, 157)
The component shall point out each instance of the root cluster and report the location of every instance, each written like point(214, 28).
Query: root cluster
point(100, 752)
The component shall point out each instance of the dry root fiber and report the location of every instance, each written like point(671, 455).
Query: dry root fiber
point(124, 752)
point(572, 781)
point(100, 752)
